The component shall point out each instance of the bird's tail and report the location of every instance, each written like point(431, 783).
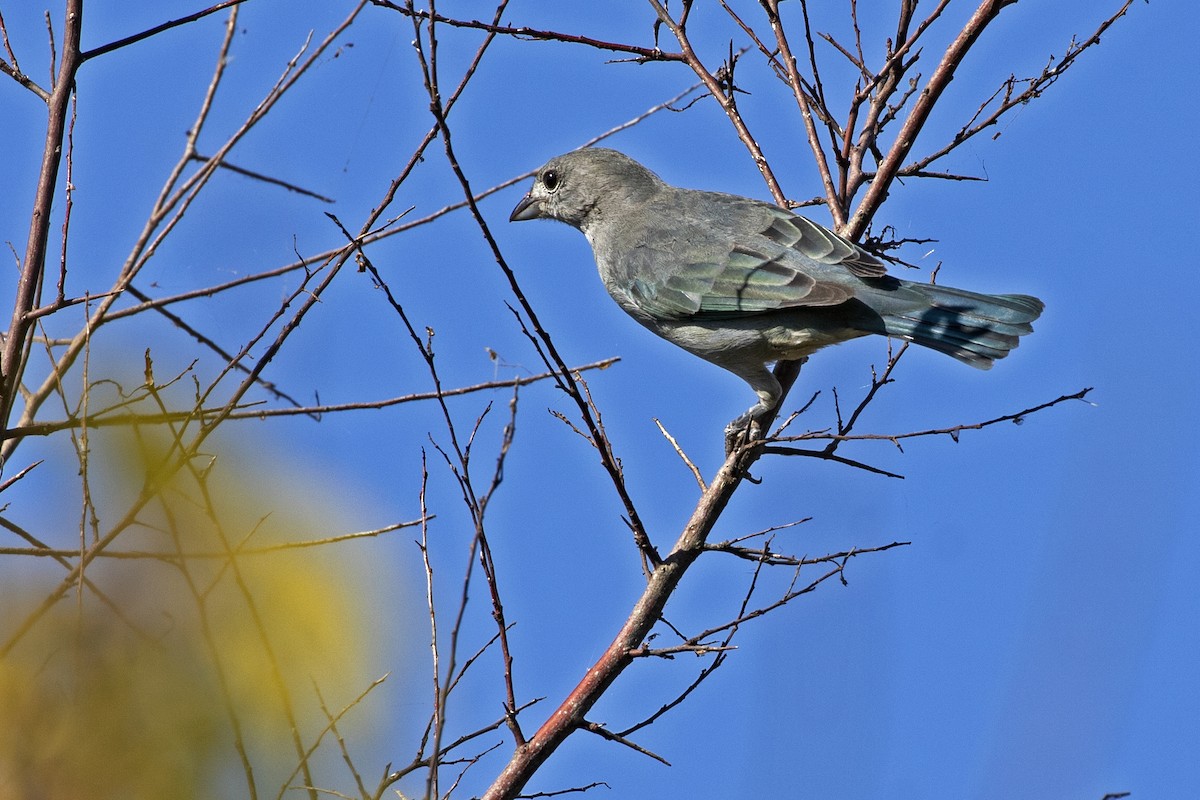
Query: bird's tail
point(975, 328)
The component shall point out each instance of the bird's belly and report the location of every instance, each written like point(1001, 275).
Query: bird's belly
point(755, 338)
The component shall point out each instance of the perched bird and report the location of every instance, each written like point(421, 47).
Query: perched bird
point(743, 283)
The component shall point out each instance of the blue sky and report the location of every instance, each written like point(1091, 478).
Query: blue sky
point(1038, 639)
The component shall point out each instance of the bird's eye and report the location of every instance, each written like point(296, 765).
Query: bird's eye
point(550, 180)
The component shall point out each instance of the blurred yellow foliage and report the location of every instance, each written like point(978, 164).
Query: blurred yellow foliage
point(137, 694)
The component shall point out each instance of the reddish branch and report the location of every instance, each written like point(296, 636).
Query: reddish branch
point(570, 716)
point(16, 343)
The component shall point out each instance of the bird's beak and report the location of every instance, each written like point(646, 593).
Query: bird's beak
point(530, 207)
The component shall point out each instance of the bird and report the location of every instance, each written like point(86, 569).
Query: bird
point(744, 283)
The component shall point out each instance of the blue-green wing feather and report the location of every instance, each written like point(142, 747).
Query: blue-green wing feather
point(780, 261)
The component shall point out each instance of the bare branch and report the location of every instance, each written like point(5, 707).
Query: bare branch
point(682, 456)
point(195, 555)
point(877, 192)
point(952, 431)
point(28, 290)
point(550, 353)
point(604, 733)
point(1011, 99)
point(832, 200)
point(825, 456)
point(13, 69)
point(106, 418)
point(157, 29)
point(725, 100)
point(169, 209)
point(643, 54)
point(572, 790)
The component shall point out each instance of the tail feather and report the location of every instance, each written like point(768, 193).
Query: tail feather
point(975, 328)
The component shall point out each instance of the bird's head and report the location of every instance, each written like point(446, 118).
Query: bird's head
point(581, 186)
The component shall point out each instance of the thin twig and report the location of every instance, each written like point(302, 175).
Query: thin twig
point(682, 456)
point(604, 733)
point(157, 29)
point(642, 53)
point(952, 431)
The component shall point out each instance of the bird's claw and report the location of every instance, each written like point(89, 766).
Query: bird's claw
point(741, 432)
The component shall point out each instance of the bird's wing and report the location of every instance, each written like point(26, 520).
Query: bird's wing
point(821, 245)
point(781, 261)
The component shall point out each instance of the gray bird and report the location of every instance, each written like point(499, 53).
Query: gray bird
point(743, 283)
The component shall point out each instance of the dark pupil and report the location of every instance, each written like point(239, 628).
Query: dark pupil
point(550, 179)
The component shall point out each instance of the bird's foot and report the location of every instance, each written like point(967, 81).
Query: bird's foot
point(771, 388)
point(742, 431)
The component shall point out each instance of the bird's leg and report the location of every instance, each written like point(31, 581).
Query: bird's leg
point(771, 388)
point(747, 427)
